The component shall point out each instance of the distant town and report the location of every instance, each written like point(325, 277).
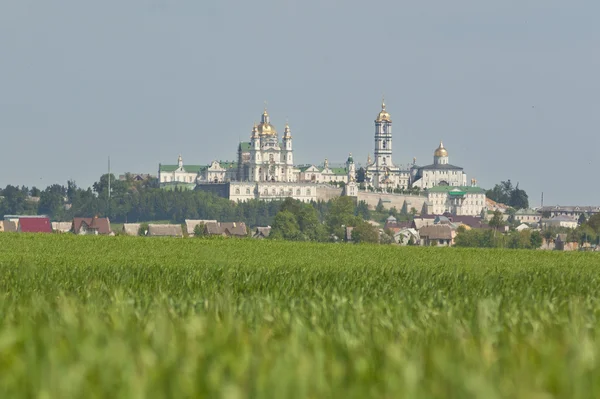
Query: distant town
point(252, 196)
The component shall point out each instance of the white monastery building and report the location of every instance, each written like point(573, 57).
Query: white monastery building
point(265, 169)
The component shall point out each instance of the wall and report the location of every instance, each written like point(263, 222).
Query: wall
point(392, 200)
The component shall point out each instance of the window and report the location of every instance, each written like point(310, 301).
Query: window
point(237, 191)
point(308, 191)
point(298, 192)
point(247, 191)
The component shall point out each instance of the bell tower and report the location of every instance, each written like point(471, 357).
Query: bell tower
point(383, 139)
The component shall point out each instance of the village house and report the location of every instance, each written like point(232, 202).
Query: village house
point(165, 230)
point(440, 235)
point(91, 226)
point(34, 224)
point(131, 229)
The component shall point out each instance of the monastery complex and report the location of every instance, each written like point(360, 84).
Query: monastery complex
point(265, 169)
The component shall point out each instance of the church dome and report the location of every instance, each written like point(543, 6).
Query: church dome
point(265, 128)
point(383, 116)
point(440, 151)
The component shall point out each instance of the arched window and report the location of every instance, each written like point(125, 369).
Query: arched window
point(237, 191)
point(308, 191)
point(298, 192)
point(247, 191)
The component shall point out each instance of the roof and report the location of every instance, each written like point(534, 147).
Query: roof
point(245, 146)
point(586, 209)
point(165, 230)
point(440, 167)
point(63, 227)
point(237, 229)
point(101, 225)
point(436, 232)
point(422, 222)
point(562, 218)
point(186, 168)
point(228, 164)
point(190, 224)
point(35, 225)
point(262, 232)
point(457, 189)
point(336, 171)
point(10, 226)
point(131, 229)
point(527, 212)
point(471, 221)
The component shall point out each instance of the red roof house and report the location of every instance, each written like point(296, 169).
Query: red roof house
point(34, 225)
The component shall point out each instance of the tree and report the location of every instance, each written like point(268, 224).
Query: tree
point(497, 220)
point(364, 232)
point(199, 230)
point(52, 200)
point(581, 219)
point(518, 198)
point(285, 226)
point(536, 239)
point(379, 208)
point(594, 222)
point(143, 230)
point(341, 213)
point(362, 210)
point(360, 175)
point(404, 209)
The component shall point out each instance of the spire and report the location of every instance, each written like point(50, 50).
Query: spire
point(265, 115)
point(383, 103)
point(287, 132)
point(254, 131)
point(180, 161)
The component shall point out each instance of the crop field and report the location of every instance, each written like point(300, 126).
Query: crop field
point(137, 317)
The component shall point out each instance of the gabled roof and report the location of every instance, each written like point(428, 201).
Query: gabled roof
point(165, 230)
point(35, 225)
point(101, 225)
point(62, 227)
point(262, 232)
point(190, 224)
point(131, 229)
point(10, 226)
point(436, 232)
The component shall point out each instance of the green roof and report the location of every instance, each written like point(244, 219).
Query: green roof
point(338, 171)
point(245, 146)
point(171, 186)
point(228, 165)
point(187, 168)
point(459, 190)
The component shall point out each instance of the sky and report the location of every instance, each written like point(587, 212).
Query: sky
point(511, 87)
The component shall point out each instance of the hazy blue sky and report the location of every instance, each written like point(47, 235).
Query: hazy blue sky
point(511, 87)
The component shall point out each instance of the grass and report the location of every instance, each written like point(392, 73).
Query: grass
point(141, 317)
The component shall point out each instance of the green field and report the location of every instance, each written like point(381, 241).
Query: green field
point(136, 317)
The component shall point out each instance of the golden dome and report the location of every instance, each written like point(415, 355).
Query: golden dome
point(266, 129)
point(441, 151)
point(383, 116)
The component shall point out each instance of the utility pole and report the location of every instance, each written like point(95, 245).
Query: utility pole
point(108, 202)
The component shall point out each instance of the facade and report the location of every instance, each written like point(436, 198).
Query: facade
point(439, 173)
point(569, 222)
point(528, 216)
point(461, 200)
point(574, 211)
